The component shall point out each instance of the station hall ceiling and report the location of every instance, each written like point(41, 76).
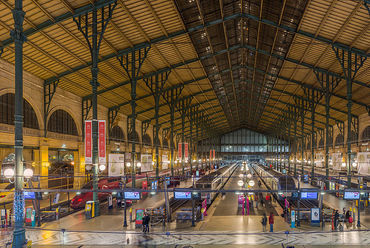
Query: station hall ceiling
point(246, 62)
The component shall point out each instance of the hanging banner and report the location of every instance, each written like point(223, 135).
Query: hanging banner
point(88, 142)
point(363, 161)
point(116, 166)
point(165, 162)
point(179, 153)
point(102, 141)
point(337, 161)
point(186, 151)
point(214, 154)
point(210, 155)
point(146, 162)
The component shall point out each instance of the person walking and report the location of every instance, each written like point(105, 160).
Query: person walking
point(271, 222)
point(146, 221)
point(336, 219)
point(264, 222)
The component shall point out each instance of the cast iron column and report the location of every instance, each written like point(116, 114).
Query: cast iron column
point(19, 234)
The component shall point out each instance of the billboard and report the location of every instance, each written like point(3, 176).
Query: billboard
point(88, 142)
point(363, 160)
point(102, 142)
point(116, 164)
point(165, 162)
point(146, 162)
point(186, 151)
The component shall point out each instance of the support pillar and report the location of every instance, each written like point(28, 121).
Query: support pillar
point(19, 234)
point(44, 166)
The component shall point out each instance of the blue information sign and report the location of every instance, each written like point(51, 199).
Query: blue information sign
point(350, 195)
point(309, 195)
point(29, 195)
point(305, 178)
point(168, 180)
point(182, 195)
point(155, 185)
point(132, 195)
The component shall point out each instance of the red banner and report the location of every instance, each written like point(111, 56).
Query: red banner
point(186, 153)
point(210, 155)
point(179, 153)
point(102, 145)
point(214, 154)
point(88, 142)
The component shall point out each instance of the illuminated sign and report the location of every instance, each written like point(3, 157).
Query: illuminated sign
point(132, 195)
point(309, 195)
point(183, 195)
point(351, 195)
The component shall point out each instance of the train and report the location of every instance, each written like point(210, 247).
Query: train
point(79, 201)
point(277, 181)
point(215, 180)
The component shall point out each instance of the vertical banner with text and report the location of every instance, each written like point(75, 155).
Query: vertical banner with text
point(186, 152)
point(214, 154)
point(210, 155)
point(179, 153)
point(88, 142)
point(102, 142)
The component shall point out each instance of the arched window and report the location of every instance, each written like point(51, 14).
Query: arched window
point(131, 137)
point(7, 109)
point(147, 141)
point(165, 142)
point(365, 136)
point(116, 134)
point(354, 137)
point(339, 140)
point(330, 141)
point(62, 122)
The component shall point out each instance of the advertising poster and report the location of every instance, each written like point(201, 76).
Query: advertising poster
point(116, 165)
point(128, 157)
point(88, 142)
point(165, 162)
point(315, 215)
point(146, 162)
point(337, 161)
point(102, 141)
point(320, 158)
point(179, 153)
point(363, 160)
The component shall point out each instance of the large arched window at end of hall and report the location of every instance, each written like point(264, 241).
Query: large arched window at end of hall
point(62, 122)
point(7, 109)
point(131, 137)
point(147, 141)
point(116, 134)
point(365, 136)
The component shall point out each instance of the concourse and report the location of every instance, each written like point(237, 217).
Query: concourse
point(184, 123)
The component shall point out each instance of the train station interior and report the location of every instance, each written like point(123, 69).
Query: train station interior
point(185, 123)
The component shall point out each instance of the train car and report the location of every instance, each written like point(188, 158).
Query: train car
point(215, 180)
point(276, 181)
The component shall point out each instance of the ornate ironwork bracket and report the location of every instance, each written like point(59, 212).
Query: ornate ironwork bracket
point(112, 116)
point(340, 126)
point(144, 127)
point(166, 133)
point(350, 62)
point(49, 92)
point(355, 126)
point(132, 62)
point(130, 130)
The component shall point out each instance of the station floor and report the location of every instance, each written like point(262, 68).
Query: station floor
point(223, 227)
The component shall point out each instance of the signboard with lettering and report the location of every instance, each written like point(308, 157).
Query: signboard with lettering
point(309, 195)
point(102, 142)
point(350, 195)
point(132, 195)
point(182, 195)
point(88, 142)
point(186, 151)
point(179, 153)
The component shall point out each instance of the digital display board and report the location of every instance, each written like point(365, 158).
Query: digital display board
point(351, 195)
point(168, 180)
point(309, 195)
point(29, 195)
point(182, 195)
point(132, 195)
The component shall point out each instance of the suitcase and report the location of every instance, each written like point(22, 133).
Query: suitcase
point(350, 219)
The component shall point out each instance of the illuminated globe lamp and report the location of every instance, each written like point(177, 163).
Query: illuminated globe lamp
point(102, 167)
point(251, 183)
point(249, 176)
point(139, 164)
point(240, 183)
point(9, 173)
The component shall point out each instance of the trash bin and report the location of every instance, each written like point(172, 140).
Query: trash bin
point(89, 210)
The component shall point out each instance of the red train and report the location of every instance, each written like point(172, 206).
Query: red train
point(79, 201)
